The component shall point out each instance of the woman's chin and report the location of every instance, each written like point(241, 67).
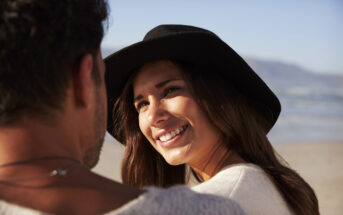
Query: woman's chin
point(174, 161)
point(176, 156)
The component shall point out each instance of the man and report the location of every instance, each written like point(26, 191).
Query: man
point(53, 118)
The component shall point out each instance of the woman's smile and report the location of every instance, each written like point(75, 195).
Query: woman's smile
point(169, 139)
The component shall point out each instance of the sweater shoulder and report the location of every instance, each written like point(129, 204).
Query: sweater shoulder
point(249, 186)
point(178, 200)
point(229, 179)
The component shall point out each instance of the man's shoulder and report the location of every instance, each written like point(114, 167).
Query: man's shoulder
point(178, 200)
point(174, 200)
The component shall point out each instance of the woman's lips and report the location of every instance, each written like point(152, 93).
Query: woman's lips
point(172, 140)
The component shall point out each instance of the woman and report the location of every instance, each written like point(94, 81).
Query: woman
point(182, 97)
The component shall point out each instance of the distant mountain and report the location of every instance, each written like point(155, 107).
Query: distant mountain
point(285, 75)
point(290, 75)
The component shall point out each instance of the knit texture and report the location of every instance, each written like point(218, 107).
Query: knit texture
point(250, 187)
point(178, 200)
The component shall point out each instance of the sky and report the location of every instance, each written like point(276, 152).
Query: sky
point(304, 32)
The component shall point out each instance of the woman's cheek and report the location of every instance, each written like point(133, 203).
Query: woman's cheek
point(143, 126)
point(179, 105)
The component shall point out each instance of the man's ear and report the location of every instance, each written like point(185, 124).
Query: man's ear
point(82, 80)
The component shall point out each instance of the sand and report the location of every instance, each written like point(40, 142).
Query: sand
point(319, 163)
point(110, 159)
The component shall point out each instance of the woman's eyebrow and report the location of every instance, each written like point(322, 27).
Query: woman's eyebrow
point(159, 85)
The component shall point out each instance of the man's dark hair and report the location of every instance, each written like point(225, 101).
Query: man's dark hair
point(41, 41)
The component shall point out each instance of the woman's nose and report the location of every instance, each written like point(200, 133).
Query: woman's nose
point(157, 114)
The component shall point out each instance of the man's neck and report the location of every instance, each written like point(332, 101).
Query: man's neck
point(31, 138)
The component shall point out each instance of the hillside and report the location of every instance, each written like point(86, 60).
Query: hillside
point(291, 75)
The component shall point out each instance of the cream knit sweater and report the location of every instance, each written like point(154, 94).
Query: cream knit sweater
point(250, 187)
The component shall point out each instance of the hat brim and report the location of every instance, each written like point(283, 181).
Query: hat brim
point(198, 48)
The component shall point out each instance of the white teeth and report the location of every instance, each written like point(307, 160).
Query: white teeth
point(171, 134)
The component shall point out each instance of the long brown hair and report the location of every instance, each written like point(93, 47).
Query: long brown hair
point(238, 117)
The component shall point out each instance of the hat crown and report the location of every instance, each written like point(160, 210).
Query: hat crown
point(170, 30)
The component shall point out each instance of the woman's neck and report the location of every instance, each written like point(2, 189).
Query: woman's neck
point(215, 161)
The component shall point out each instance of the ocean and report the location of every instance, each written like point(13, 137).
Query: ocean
point(309, 115)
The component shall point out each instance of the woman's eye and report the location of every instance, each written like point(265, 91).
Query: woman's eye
point(141, 105)
point(169, 90)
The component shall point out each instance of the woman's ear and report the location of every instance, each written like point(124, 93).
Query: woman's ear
point(83, 83)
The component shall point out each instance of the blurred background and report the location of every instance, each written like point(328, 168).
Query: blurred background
point(296, 47)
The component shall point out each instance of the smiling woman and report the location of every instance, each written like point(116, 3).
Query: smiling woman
point(184, 97)
point(170, 118)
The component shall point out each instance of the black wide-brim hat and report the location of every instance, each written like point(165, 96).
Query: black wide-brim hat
point(187, 44)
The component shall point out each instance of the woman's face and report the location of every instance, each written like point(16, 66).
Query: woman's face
point(169, 116)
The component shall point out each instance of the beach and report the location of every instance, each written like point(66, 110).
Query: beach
point(319, 163)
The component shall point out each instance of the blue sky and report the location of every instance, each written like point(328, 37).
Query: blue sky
point(305, 32)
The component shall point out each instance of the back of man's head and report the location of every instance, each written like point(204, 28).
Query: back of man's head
point(41, 42)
